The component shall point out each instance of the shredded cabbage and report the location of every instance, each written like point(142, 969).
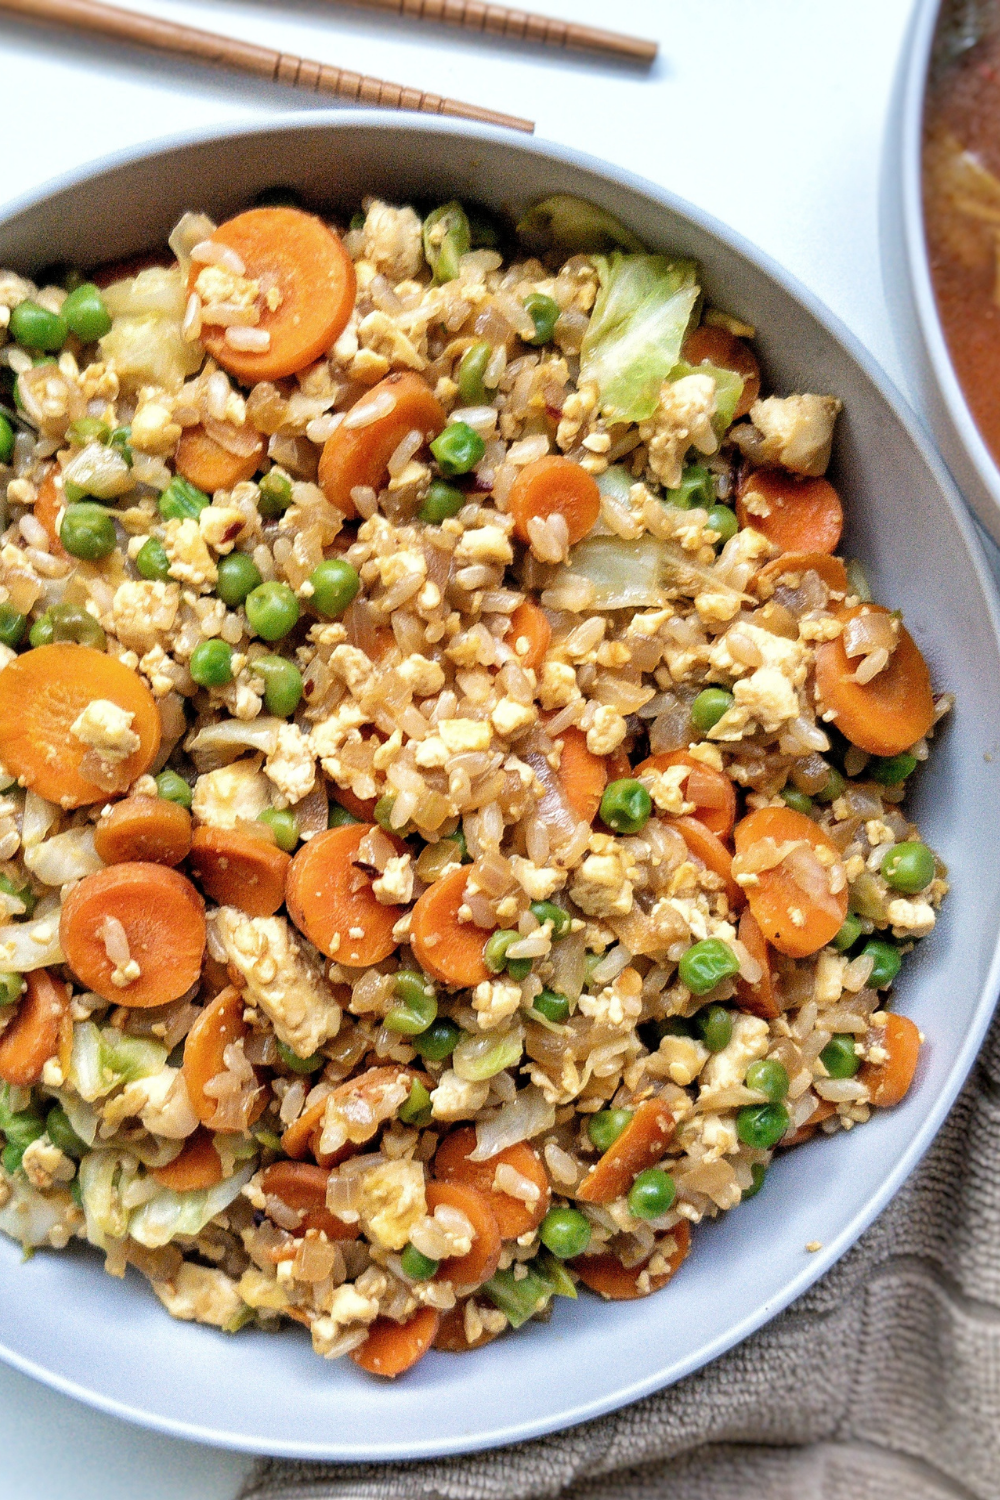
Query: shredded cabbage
point(101, 1060)
point(480, 1057)
point(573, 226)
point(29, 1216)
point(527, 1115)
point(636, 330)
point(728, 390)
point(168, 1214)
point(641, 574)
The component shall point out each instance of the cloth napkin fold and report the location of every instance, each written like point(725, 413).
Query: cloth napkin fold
point(881, 1383)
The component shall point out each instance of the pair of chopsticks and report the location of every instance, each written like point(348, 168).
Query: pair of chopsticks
point(321, 78)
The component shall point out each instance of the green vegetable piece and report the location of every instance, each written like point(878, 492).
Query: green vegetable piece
point(446, 240)
point(834, 788)
point(14, 982)
point(893, 769)
point(839, 1057)
point(417, 1008)
point(152, 560)
point(416, 1108)
point(238, 577)
point(470, 372)
point(552, 1270)
point(282, 684)
point(297, 1064)
point(713, 1025)
point(12, 626)
point(723, 520)
point(458, 837)
point(61, 1133)
point(20, 1130)
point(558, 916)
point(709, 707)
point(572, 226)
point(383, 812)
point(565, 1231)
point(439, 1040)
point(761, 1125)
point(626, 806)
point(87, 531)
point(769, 1077)
point(35, 327)
point(908, 867)
point(695, 491)
point(357, 221)
point(6, 440)
point(552, 1006)
point(416, 1266)
point(12, 985)
point(283, 824)
point(173, 788)
point(275, 494)
point(520, 1298)
point(757, 1172)
point(339, 817)
point(651, 1194)
point(617, 483)
point(796, 800)
point(441, 501)
point(76, 1191)
point(707, 964)
point(886, 962)
point(458, 449)
point(484, 233)
point(849, 933)
point(211, 663)
point(85, 314)
point(495, 954)
point(88, 430)
point(272, 610)
point(544, 312)
point(334, 584)
point(857, 580)
point(120, 439)
point(606, 1126)
point(182, 500)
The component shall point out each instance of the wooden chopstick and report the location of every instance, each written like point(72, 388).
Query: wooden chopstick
point(520, 25)
point(247, 57)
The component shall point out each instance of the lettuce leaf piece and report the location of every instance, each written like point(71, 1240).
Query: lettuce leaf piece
point(636, 330)
point(728, 390)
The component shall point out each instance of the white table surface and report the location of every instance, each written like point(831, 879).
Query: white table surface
point(768, 113)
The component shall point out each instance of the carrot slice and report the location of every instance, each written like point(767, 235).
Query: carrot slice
point(49, 501)
point(34, 1034)
point(760, 998)
point(554, 486)
point(886, 715)
point(513, 1215)
point(617, 1283)
point(446, 948)
point(451, 1337)
point(303, 1134)
point(709, 848)
point(330, 899)
point(391, 1348)
point(711, 791)
point(302, 1187)
point(798, 515)
point(890, 1080)
point(725, 350)
point(198, 1166)
point(797, 916)
point(211, 466)
point(530, 634)
point(830, 569)
point(640, 1145)
point(239, 869)
point(146, 828)
point(470, 1270)
point(220, 1023)
point(42, 694)
point(582, 776)
point(356, 456)
point(163, 918)
point(306, 287)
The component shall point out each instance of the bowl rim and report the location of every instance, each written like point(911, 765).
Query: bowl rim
point(817, 1264)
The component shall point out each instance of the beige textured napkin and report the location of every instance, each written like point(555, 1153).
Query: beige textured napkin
point(881, 1383)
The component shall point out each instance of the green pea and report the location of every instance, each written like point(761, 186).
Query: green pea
point(121, 440)
point(606, 1126)
point(849, 933)
point(441, 501)
point(439, 1040)
point(548, 911)
point(697, 488)
point(470, 372)
point(334, 584)
point(239, 575)
point(275, 494)
point(211, 663)
point(6, 440)
point(651, 1194)
point(12, 985)
point(272, 610)
point(544, 313)
point(87, 531)
point(565, 1232)
point(416, 1108)
point(839, 1057)
point(769, 1077)
point(447, 238)
point(757, 1173)
point(458, 449)
point(713, 1025)
point(357, 221)
point(417, 1007)
point(552, 1006)
point(761, 1125)
point(495, 954)
point(892, 769)
point(61, 1133)
point(339, 817)
point(383, 812)
point(416, 1266)
point(173, 788)
point(709, 707)
point(707, 964)
point(282, 684)
point(35, 327)
point(908, 867)
point(796, 800)
point(626, 806)
point(88, 430)
point(151, 560)
point(85, 314)
point(886, 962)
point(12, 626)
point(721, 519)
point(834, 788)
point(283, 824)
point(297, 1064)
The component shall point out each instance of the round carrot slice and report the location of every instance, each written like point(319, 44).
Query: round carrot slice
point(470, 1270)
point(721, 348)
point(530, 634)
point(33, 1036)
point(446, 948)
point(368, 1091)
point(616, 1283)
point(797, 515)
point(795, 908)
point(330, 899)
point(144, 828)
point(709, 848)
point(302, 1187)
point(162, 919)
point(212, 467)
point(42, 694)
point(761, 998)
point(889, 1081)
point(711, 791)
point(830, 569)
point(391, 1348)
point(640, 1145)
point(198, 1166)
point(220, 1023)
point(357, 453)
point(582, 775)
point(49, 501)
point(554, 486)
point(514, 1216)
point(451, 1336)
point(306, 286)
point(239, 869)
point(884, 716)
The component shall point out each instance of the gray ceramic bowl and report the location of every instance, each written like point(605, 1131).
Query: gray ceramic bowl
point(108, 1342)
